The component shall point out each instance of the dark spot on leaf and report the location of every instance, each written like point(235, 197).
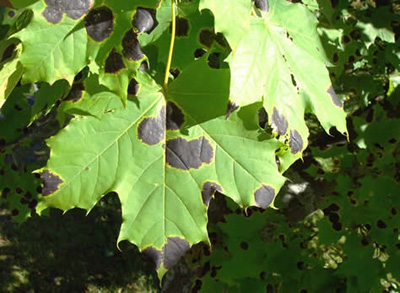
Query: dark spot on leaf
point(143, 20)
point(7, 54)
point(345, 39)
point(75, 9)
point(398, 245)
point(337, 226)
point(151, 130)
point(334, 207)
point(175, 72)
point(153, 254)
point(197, 286)
point(232, 106)
point(213, 60)
point(381, 224)
point(11, 13)
point(334, 218)
point(32, 204)
point(335, 99)
point(393, 211)
point(263, 5)
point(199, 53)
point(300, 265)
point(133, 87)
point(175, 117)
point(295, 142)
point(114, 62)
point(364, 241)
point(335, 58)
point(99, 23)
point(18, 190)
point(14, 167)
point(185, 155)
point(279, 122)
point(264, 196)
point(182, 27)
point(5, 192)
point(23, 201)
point(51, 182)
point(131, 46)
point(244, 245)
point(76, 92)
point(2, 172)
point(174, 250)
point(18, 108)
point(15, 212)
point(28, 195)
point(221, 40)
point(262, 275)
point(208, 190)
point(39, 189)
point(206, 37)
point(355, 34)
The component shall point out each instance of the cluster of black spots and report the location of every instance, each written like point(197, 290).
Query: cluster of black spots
point(133, 87)
point(182, 27)
point(28, 200)
point(144, 20)
point(331, 212)
point(114, 62)
point(186, 155)
point(131, 47)
point(208, 190)
point(295, 142)
point(51, 182)
point(76, 92)
point(8, 52)
point(175, 117)
point(151, 130)
point(263, 5)
point(264, 196)
point(278, 122)
point(74, 9)
point(197, 286)
point(99, 23)
point(230, 108)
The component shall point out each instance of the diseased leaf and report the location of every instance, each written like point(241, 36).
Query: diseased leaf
point(130, 151)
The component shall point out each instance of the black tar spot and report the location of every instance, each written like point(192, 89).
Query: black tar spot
point(51, 182)
point(208, 190)
point(335, 99)
point(154, 254)
point(185, 155)
point(182, 27)
point(295, 142)
point(99, 23)
point(244, 245)
point(263, 5)
point(279, 122)
point(131, 46)
point(133, 87)
point(174, 250)
point(206, 37)
point(74, 9)
point(143, 20)
point(152, 130)
point(175, 117)
point(114, 62)
point(232, 106)
point(8, 52)
point(11, 13)
point(213, 60)
point(76, 92)
point(199, 53)
point(264, 196)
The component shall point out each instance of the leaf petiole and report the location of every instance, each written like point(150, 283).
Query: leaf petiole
point(171, 46)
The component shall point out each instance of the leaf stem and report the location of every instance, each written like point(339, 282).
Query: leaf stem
point(171, 45)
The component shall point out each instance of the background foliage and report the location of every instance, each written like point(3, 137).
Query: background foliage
point(337, 214)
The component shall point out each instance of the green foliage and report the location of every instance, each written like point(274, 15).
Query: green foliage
point(168, 127)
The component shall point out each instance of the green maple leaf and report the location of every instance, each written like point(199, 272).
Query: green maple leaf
point(280, 60)
point(165, 156)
